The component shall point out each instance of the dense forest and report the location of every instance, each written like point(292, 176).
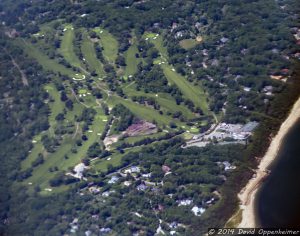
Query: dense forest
point(98, 99)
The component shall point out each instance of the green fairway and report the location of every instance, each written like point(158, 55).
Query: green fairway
point(159, 44)
point(67, 48)
point(166, 101)
point(141, 111)
point(132, 140)
point(194, 93)
point(101, 165)
point(41, 174)
point(43, 59)
point(56, 107)
point(109, 43)
point(131, 60)
point(37, 148)
point(77, 110)
point(89, 55)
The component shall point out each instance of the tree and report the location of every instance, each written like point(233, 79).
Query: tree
point(69, 104)
point(60, 117)
point(94, 150)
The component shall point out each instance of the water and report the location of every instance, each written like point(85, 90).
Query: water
point(278, 201)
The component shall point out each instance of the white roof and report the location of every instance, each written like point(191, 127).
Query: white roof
point(198, 211)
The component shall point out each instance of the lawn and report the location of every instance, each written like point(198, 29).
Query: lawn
point(89, 53)
point(109, 43)
point(67, 48)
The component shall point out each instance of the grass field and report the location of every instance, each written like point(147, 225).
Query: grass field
point(43, 59)
point(109, 43)
point(89, 54)
point(67, 48)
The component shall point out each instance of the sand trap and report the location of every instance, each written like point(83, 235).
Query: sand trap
point(199, 39)
point(78, 79)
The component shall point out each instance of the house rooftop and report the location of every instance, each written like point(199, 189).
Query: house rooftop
point(198, 211)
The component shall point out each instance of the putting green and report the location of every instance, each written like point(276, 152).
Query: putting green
point(82, 91)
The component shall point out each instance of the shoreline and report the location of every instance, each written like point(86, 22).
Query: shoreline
point(248, 193)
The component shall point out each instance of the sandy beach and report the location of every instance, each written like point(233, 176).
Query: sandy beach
point(248, 193)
